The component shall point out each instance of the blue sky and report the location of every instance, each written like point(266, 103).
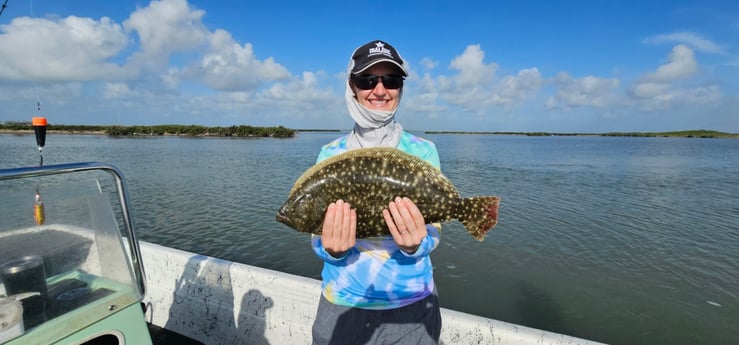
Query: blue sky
point(556, 66)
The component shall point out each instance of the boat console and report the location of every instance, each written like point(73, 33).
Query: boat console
point(70, 265)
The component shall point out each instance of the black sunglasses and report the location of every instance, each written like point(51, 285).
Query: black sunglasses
point(369, 81)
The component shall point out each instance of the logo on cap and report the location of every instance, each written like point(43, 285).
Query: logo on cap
point(380, 49)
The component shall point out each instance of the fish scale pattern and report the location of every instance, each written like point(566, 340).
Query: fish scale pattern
point(369, 179)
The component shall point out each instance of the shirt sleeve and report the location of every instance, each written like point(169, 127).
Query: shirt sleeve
point(315, 241)
point(432, 156)
point(322, 155)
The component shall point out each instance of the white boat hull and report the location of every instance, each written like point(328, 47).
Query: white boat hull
point(222, 302)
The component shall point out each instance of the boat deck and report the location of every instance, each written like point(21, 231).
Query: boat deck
point(161, 336)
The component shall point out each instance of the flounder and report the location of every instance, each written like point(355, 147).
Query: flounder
point(368, 179)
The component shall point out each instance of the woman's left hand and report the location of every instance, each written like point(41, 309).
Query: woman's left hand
point(406, 224)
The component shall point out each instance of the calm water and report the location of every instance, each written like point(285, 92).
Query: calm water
point(620, 240)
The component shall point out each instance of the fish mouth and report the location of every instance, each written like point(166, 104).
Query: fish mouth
point(280, 217)
point(283, 218)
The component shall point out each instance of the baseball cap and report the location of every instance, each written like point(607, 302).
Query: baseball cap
point(373, 53)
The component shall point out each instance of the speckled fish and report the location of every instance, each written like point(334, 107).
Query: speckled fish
point(369, 179)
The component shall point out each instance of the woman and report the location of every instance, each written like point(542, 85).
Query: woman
point(377, 290)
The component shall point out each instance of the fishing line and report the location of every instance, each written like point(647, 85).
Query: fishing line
point(38, 124)
point(39, 128)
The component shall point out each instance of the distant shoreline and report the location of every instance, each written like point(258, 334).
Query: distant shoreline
point(50, 131)
point(155, 130)
point(674, 134)
point(282, 132)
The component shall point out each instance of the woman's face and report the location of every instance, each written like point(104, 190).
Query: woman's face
point(379, 98)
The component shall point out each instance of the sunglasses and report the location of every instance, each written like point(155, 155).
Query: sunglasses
point(369, 81)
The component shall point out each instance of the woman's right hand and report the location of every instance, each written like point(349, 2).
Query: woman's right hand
point(339, 232)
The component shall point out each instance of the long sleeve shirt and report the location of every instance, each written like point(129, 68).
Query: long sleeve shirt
point(375, 273)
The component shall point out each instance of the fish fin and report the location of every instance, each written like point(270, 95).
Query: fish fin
point(479, 215)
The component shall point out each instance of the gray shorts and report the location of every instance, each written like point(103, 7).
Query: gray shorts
point(417, 323)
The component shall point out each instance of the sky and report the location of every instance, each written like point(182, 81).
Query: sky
point(576, 66)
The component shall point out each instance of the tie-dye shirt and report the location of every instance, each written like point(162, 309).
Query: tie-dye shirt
point(375, 273)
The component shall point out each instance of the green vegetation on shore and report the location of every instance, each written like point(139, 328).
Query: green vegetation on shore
point(282, 132)
point(701, 133)
point(677, 134)
point(157, 130)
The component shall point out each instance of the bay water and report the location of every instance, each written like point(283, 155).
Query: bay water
point(615, 239)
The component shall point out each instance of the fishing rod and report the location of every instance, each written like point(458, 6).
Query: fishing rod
point(5, 4)
point(39, 125)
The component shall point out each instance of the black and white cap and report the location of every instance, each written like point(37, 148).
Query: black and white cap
point(373, 53)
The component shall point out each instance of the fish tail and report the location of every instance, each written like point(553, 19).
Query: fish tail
point(479, 215)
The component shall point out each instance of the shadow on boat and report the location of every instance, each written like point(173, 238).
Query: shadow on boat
point(203, 305)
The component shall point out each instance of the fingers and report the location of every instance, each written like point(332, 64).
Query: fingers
point(338, 233)
point(352, 227)
point(328, 221)
point(406, 223)
point(390, 222)
point(347, 227)
point(407, 216)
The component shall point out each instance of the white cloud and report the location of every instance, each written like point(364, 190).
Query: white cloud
point(656, 96)
point(428, 63)
point(681, 65)
point(69, 49)
point(644, 90)
point(702, 94)
point(424, 99)
point(230, 66)
point(166, 26)
point(472, 70)
point(474, 87)
point(305, 91)
point(171, 60)
point(299, 101)
point(514, 89)
point(116, 90)
point(672, 84)
point(688, 38)
point(586, 91)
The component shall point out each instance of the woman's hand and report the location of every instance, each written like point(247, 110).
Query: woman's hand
point(406, 224)
point(339, 232)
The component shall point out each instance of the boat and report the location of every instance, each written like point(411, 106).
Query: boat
point(74, 272)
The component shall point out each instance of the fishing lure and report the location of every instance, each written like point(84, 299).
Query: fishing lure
point(38, 210)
